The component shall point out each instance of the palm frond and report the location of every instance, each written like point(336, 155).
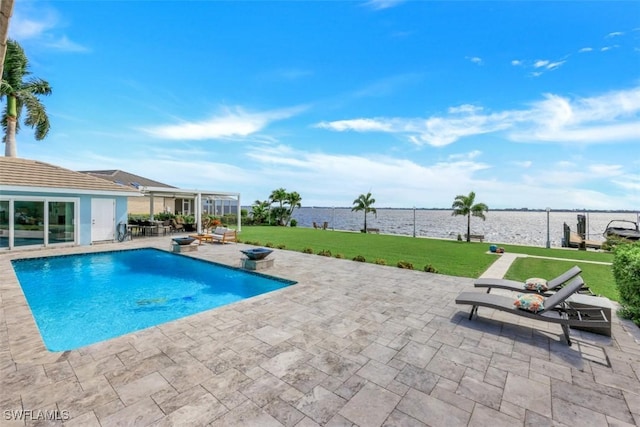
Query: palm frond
point(36, 116)
point(37, 87)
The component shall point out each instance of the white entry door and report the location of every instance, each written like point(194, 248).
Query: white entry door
point(103, 219)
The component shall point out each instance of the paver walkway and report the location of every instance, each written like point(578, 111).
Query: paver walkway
point(499, 268)
point(350, 344)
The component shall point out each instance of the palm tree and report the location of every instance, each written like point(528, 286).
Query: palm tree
point(465, 205)
point(363, 203)
point(259, 211)
point(277, 196)
point(21, 94)
point(6, 10)
point(294, 201)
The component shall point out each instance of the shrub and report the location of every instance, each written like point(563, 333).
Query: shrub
point(293, 223)
point(626, 271)
point(430, 268)
point(405, 264)
point(256, 243)
point(459, 237)
point(307, 251)
point(339, 256)
point(325, 252)
point(163, 216)
point(380, 261)
point(281, 246)
point(359, 258)
point(613, 241)
point(269, 245)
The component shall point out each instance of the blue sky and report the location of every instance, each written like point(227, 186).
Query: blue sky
point(529, 104)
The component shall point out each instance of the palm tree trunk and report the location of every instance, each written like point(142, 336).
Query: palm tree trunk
point(365, 221)
point(469, 228)
point(10, 140)
point(6, 10)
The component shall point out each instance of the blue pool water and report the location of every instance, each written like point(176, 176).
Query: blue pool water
point(78, 300)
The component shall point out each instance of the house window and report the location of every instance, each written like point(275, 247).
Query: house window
point(28, 223)
point(61, 222)
point(186, 206)
point(4, 223)
point(45, 221)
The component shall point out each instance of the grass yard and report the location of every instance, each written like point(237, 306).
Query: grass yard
point(598, 278)
point(448, 257)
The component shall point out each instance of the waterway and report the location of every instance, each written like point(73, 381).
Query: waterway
point(514, 227)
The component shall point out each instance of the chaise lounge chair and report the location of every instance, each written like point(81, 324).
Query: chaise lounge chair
point(513, 285)
point(554, 309)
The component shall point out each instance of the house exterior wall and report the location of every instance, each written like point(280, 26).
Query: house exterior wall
point(83, 208)
point(141, 205)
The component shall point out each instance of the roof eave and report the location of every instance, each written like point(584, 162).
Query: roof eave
point(29, 189)
point(182, 191)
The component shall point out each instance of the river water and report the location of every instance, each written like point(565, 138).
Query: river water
point(515, 227)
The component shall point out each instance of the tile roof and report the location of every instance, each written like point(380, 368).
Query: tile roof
point(18, 172)
point(126, 178)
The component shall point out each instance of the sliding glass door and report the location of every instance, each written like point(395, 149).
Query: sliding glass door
point(4, 224)
point(28, 221)
point(61, 222)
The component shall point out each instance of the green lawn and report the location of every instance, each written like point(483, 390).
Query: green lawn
point(447, 256)
point(599, 278)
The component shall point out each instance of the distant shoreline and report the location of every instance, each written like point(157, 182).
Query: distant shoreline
point(625, 211)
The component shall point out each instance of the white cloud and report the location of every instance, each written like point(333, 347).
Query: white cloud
point(554, 65)
point(64, 44)
point(23, 28)
point(358, 125)
point(475, 59)
point(343, 176)
point(611, 117)
point(615, 34)
point(605, 170)
point(526, 164)
point(628, 182)
point(516, 62)
point(586, 49)
point(41, 25)
point(465, 108)
point(547, 65)
point(231, 123)
point(606, 118)
point(382, 4)
point(465, 156)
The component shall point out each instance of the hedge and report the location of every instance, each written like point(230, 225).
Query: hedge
point(626, 271)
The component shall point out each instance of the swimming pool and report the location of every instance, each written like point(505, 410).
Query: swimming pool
point(78, 300)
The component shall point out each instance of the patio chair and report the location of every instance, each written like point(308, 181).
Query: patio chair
point(513, 285)
point(175, 226)
point(553, 309)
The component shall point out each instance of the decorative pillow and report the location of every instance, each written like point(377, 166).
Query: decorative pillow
point(536, 284)
point(219, 230)
point(530, 302)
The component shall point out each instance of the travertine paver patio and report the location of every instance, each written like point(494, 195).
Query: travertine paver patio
point(350, 344)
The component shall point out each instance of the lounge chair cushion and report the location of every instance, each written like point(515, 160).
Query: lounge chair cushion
point(530, 302)
point(536, 284)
